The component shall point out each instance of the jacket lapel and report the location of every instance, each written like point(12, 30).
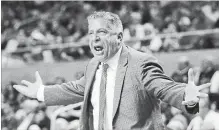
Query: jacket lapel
point(120, 74)
point(91, 70)
point(90, 75)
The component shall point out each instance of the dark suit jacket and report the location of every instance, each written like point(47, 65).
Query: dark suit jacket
point(140, 85)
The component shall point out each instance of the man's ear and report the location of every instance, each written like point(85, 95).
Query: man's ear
point(120, 37)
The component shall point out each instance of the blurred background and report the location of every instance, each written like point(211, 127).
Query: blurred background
point(51, 37)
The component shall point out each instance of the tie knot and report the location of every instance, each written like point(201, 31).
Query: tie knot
point(105, 66)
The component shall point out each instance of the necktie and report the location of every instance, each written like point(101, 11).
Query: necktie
point(102, 98)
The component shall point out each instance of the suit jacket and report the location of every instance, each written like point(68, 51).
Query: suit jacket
point(140, 85)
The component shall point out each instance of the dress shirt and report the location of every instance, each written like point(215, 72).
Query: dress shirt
point(111, 78)
point(110, 84)
point(40, 93)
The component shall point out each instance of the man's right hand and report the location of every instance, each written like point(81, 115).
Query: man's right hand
point(30, 89)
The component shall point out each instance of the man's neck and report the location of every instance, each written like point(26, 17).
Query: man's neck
point(107, 60)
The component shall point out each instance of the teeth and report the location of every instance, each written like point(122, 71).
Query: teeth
point(98, 48)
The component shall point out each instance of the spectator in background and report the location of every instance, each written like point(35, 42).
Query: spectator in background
point(215, 83)
point(205, 42)
point(18, 40)
point(61, 124)
point(20, 115)
point(171, 43)
point(12, 113)
point(155, 43)
point(12, 97)
point(178, 122)
point(183, 66)
point(155, 14)
point(214, 90)
point(206, 71)
point(135, 29)
point(39, 34)
point(26, 122)
point(41, 119)
point(211, 13)
point(8, 121)
point(207, 119)
point(59, 30)
point(71, 27)
point(34, 127)
point(73, 125)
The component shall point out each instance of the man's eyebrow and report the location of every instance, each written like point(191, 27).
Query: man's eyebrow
point(90, 31)
point(98, 29)
point(102, 29)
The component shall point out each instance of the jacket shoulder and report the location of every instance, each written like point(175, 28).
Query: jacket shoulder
point(137, 56)
point(138, 61)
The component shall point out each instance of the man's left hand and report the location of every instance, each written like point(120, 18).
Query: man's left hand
point(192, 92)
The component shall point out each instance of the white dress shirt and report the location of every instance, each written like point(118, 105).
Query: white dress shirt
point(111, 78)
point(110, 84)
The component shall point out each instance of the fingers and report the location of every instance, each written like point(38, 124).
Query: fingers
point(20, 88)
point(38, 78)
point(202, 95)
point(191, 76)
point(196, 99)
point(203, 86)
point(27, 83)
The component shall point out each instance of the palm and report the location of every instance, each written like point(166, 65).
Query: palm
point(192, 92)
point(30, 89)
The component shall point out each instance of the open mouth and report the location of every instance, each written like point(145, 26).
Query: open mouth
point(98, 48)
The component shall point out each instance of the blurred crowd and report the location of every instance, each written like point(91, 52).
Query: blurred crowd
point(206, 119)
point(22, 113)
point(43, 30)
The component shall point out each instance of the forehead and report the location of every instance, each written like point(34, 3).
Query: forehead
point(95, 24)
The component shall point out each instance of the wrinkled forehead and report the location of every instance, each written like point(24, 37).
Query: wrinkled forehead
point(100, 23)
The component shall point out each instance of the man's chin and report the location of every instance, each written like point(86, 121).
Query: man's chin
point(100, 58)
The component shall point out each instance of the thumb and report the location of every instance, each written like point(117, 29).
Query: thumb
point(22, 89)
point(38, 78)
point(191, 76)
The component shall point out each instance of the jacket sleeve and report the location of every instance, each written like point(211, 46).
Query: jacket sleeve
point(161, 86)
point(66, 93)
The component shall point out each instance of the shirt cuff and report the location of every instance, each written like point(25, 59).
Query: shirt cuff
point(191, 105)
point(40, 93)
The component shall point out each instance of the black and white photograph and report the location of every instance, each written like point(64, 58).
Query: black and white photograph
point(109, 65)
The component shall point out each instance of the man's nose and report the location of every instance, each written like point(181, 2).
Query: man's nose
point(96, 38)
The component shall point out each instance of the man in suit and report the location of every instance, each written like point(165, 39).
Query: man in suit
point(121, 87)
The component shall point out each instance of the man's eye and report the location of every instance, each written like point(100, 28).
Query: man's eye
point(102, 32)
point(90, 33)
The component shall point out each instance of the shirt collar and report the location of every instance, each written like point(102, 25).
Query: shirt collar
point(113, 61)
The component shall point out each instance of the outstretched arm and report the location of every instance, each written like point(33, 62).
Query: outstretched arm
point(162, 87)
point(64, 94)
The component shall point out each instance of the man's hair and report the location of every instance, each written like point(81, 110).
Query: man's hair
point(112, 19)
